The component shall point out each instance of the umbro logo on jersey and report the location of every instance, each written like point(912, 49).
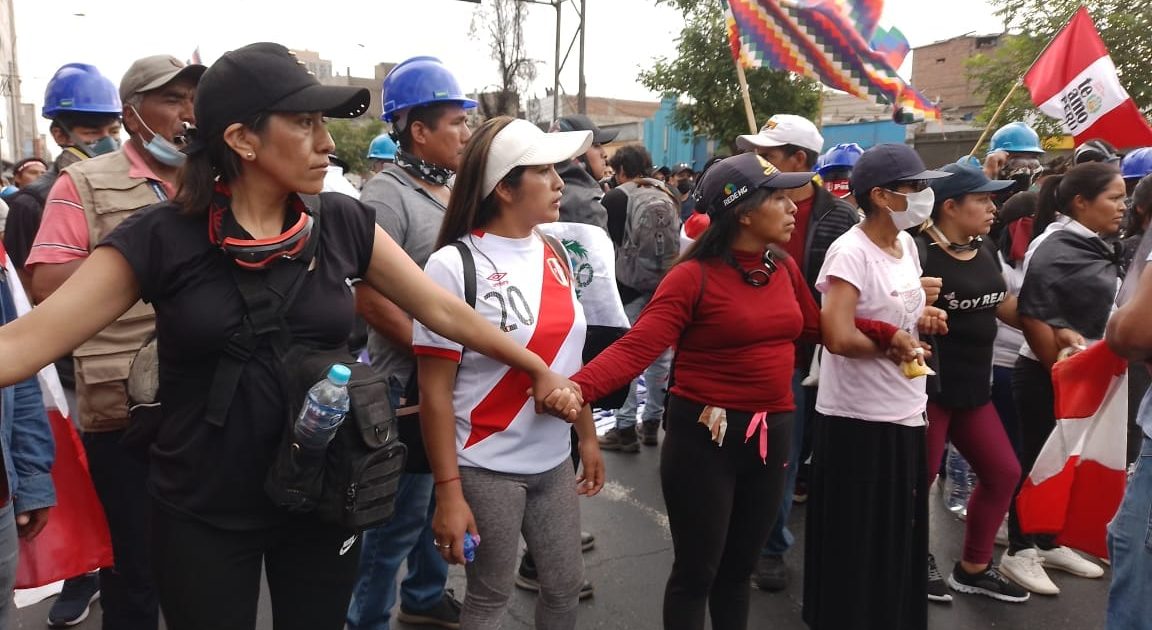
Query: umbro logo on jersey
point(497, 277)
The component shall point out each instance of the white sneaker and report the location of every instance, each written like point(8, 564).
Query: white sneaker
point(1026, 568)
point(1069, 561)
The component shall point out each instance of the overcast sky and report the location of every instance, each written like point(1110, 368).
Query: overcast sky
point(622, 35)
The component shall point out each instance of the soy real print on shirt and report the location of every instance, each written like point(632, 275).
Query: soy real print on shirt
point(952, 302)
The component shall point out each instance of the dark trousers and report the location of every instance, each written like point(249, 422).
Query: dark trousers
point(209, 578)
point(127, 593)
point(1036, 410)
point(722, 502)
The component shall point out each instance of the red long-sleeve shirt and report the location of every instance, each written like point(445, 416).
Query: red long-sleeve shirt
point(735, 341)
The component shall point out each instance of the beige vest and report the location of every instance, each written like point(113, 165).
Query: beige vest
point(109, 196)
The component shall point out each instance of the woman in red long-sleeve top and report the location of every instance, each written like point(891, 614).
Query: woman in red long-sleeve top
point(733, 307)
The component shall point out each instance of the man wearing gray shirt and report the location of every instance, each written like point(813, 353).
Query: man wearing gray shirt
point(426, 107)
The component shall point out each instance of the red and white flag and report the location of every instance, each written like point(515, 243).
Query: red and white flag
point(76, 539)
point(1075, 81)
point(1076, 485)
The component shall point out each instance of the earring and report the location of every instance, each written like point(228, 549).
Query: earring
point(250, 155)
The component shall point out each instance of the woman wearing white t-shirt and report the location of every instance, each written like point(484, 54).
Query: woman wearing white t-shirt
point(502, 468)
point(868, 496)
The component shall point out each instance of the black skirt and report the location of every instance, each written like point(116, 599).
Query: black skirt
point(865, 561)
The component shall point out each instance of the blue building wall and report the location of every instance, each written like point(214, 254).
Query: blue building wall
point(670, 146)
point(866, 134)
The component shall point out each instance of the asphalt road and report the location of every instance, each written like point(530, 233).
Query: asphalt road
point(633, 555)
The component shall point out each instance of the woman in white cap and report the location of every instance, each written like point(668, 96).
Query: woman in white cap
point(261, 144)
point(502, 467)
point(868, 497)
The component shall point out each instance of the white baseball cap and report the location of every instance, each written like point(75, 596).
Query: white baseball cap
point(521, 143)
point(784, 129)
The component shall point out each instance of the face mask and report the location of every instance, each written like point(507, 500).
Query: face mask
point(164, 151)
point(919, 209)
point(685, 186)
point(107, 144)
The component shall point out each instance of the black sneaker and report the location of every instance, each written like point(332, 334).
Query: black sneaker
point(445, 614)
point(623, 440)
point(72, 605)
point(937, 588)
point(771, 574)
point(528, 579)
point(988, 582)
point(649, 430)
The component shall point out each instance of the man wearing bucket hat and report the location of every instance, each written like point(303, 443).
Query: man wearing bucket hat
point(428, 112)
point(87, 201)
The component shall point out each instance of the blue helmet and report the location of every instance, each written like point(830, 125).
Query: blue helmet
point(1137, 164)
point(8, 191)
point(79, 87)
point(382, 148)
point(420, 81)
point(969, 160)
point(1015, 137)
point(841, 156)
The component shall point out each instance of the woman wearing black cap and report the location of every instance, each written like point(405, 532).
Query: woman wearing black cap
point(867, 499)
point(262, 143)
point(733, 306)
point(960, 408)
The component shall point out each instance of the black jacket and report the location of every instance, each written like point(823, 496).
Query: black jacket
point(830, 218)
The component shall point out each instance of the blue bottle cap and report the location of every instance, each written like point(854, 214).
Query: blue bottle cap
point(339, 374)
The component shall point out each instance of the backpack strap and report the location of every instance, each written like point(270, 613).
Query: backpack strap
point(469, 263)
point(267, 296)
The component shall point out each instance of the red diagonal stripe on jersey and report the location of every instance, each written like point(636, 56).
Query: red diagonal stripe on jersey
point(553, 323)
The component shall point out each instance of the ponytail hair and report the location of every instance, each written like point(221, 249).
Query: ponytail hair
point(215, 161)
point(1086, 181)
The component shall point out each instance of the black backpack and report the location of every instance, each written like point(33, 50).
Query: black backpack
point(354, 483)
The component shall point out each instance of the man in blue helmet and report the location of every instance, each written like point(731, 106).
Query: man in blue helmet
point(381, 152)
point(835, 167)
point(428, 112)
point(1136, 166)
point(85, 112)
point(1014, 153)
point(86, 202)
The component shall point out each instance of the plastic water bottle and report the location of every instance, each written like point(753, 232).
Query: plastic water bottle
point(324, 409)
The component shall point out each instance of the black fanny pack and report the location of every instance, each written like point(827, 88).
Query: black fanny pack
point(353, 483)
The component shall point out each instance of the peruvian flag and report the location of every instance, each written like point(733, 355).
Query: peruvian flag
point(1075, 81)
point(1076, 485)
point(76, 539)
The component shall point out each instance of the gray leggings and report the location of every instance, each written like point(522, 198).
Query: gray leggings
point(544, 508)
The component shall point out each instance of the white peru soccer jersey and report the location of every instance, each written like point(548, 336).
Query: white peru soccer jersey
point(522, 288)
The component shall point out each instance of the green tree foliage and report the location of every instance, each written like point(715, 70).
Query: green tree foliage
point(352, 138)
point(703, 77)
point(1124, 26)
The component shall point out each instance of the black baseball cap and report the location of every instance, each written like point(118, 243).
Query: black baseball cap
point(965, 180)
point(681, 167)
point(887, 163)
point(266, 77)
point(580, 122)
point(728, 181)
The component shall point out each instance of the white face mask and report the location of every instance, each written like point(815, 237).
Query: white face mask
point(919, 208)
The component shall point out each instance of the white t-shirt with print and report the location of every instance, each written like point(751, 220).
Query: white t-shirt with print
point(521, 287)
point(890, 291)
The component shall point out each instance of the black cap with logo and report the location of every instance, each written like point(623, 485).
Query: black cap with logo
point(728, 181)
point(265, 77)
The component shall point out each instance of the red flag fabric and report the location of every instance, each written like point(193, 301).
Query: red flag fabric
point(1076, 485)
point(1075, 81)
point(76, 539)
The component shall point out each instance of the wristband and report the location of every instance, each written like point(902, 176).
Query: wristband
point(448, 480)
point(880, 333)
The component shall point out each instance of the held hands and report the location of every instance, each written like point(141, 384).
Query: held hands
point(563, 400)
point(453, 517)
point(591, 478)
point(933, 321)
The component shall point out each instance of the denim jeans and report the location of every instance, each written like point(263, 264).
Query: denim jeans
point(655, 379)
point(407, 536)
point(9, 554)
point(781, 538)
point(1130, 549)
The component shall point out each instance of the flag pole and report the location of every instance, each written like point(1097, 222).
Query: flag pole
point(994, 118)
point(746, 96)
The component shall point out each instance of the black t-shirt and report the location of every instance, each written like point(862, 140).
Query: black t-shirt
point(972, 289)
point(616, 203)
point(214, 473)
